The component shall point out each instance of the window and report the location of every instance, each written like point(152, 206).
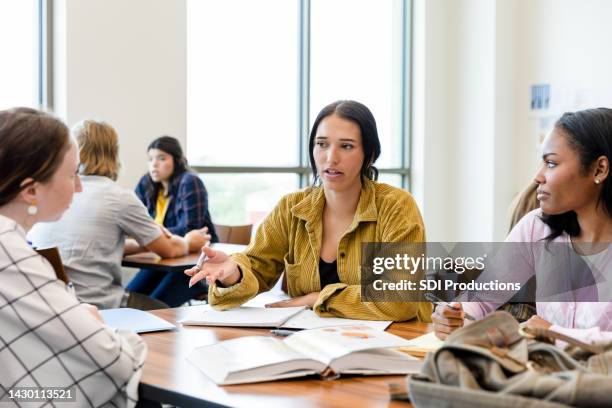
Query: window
point(257, 194)
point(259, 72)
point(242, 71)
point(355, 50)
point(19, 42)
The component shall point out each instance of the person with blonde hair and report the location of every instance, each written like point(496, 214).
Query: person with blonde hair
point(91, 235)
point(49, 339)
point(526, 202)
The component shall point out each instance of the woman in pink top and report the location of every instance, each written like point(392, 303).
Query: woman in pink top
point(575, 195)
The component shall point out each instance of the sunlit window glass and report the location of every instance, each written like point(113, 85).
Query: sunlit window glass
point(19, 48)
point(242, 75)
point(355, 51)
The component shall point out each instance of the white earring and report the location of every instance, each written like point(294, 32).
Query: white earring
point(596, 181)
point(32, 209)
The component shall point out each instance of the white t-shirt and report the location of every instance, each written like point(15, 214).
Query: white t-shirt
point(91, 238)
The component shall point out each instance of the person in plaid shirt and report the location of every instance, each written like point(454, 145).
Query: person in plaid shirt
point(48, 338)
point(177, 199)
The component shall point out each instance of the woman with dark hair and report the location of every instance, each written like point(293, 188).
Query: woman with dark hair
point(105, 209)
point(315, 235)
point(575, 195)
point(49, 338)
point(176, 198)
point(174, 195)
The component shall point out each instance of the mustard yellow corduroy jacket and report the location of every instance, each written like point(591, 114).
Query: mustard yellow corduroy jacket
point(289, 240)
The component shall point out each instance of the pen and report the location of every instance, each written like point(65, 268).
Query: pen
point(437, 301)
point(282, 332)
point(203, 258)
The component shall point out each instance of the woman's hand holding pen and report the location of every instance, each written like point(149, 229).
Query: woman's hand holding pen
point(214, 266)
point(447, 318)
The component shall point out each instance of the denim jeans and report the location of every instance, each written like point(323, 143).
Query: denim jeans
point(169, 287)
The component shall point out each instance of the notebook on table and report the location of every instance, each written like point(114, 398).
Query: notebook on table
point(285, 317)
point(134, 320)
point(326, 351)
point(242, 316)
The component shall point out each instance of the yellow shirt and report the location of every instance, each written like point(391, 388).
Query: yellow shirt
point(289, 240)
point(161, 207)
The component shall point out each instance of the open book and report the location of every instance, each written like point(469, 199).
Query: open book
point(282, 317)
point(326, 351)
point(426, 343)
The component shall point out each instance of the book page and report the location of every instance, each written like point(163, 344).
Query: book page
point(423, 344)
point(265, 298)
point(378, 361)
point(308, 319)
point(250, 359)
point(330, 343)
point(240, 317)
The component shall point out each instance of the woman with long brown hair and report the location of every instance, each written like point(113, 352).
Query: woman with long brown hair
point(50, 339)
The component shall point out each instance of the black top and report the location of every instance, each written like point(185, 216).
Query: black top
point(328, 273)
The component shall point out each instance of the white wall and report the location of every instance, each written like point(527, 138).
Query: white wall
point(475, 137)
point(504, 150)
point(123, 62)
point(472, 120)
point(430, 155)
point(565, 43)
point(459, 110)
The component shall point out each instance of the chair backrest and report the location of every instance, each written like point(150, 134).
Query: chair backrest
point(234, 234)
point(53, 256)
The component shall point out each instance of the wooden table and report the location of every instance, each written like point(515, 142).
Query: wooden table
point(149, 260)
point(169, 378)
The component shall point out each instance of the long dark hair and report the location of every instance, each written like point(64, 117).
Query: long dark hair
point(171, 146)
point(32, 144)
point(589, 133)
point(359, 114)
